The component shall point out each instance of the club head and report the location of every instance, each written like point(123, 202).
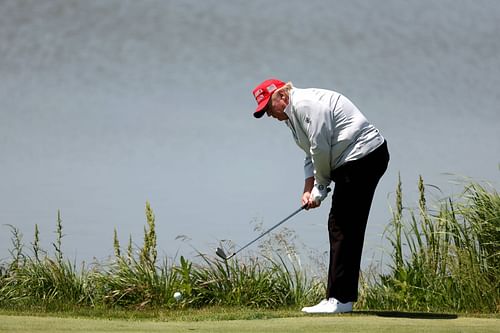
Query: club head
point(220, 252)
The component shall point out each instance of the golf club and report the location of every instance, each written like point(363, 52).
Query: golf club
point(220, 252)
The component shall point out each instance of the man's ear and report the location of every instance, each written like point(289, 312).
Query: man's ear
point(284, 95)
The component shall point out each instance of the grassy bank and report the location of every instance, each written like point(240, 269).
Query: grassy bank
point(341, 323)
point(445, 257)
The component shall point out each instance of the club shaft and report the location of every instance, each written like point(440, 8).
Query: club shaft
point(271, 229)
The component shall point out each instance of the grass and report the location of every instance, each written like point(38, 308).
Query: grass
point(444, 257)
point(209, 313)
point(135, 279)
point(338, 323)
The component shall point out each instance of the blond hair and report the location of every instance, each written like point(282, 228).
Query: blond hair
point(286, 88)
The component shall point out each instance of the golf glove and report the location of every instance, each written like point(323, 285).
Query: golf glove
point(318, 193)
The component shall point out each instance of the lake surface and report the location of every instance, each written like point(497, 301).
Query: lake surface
point(105, 105)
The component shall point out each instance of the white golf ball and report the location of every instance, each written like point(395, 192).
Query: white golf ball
point(177, 296)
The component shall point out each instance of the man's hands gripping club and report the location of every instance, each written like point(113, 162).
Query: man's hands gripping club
point(313, 193)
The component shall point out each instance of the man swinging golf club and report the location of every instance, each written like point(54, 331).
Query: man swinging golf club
point(340, 146)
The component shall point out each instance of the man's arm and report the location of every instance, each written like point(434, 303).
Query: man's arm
point(308, 186)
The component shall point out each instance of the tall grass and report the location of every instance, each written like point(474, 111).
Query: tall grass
point(31, 280)
point(444, 256)
point(134, 278)
point(443, 259)
point(259, 282)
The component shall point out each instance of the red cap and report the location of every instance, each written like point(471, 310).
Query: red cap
point(262, 94)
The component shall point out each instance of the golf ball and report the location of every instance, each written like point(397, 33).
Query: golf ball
point(177, 296)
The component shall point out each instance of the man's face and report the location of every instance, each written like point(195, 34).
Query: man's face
point(277, 105)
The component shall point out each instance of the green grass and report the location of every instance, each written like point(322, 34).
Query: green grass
point(445, 257)
point(137, 280)
point(214, 313)
point(336, 323)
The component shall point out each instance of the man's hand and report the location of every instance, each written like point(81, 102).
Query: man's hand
point(318, 193)
point(313, 194)
point(307, 200)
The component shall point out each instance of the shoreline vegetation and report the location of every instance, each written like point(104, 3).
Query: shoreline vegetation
point(444, 257)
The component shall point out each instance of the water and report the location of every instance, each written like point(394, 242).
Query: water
point(107, 105)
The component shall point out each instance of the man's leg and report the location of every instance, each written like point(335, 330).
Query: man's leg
point(355, 185)
point(347, 221)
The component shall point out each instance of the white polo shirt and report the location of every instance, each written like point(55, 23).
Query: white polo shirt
point(330, 129)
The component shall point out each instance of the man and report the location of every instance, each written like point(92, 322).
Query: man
point(340, 146)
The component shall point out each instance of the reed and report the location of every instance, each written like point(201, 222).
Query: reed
point(135, 279)
point(42, 281)
point(444, 256)
point(442, 259)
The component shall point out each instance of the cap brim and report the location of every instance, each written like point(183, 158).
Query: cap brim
point(258, 114)
point(261, 108)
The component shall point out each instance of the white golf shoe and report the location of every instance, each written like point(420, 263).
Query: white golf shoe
point(330, 305)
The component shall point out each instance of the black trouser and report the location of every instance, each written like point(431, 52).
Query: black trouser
point(355, 184)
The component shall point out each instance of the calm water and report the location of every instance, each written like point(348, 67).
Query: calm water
point(107, 104)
